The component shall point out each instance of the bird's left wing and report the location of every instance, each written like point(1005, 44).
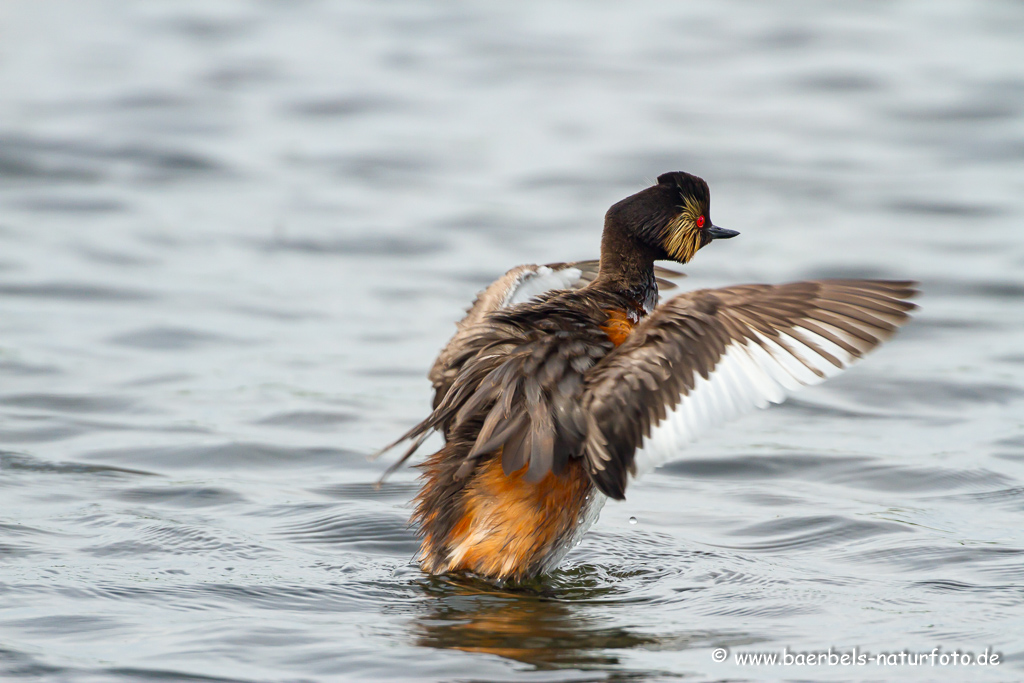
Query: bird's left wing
point(517, 286)
point(708, 356)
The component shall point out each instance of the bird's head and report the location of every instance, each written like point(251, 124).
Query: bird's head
point(673, 218)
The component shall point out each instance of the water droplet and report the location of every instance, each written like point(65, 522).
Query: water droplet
point(632, 520)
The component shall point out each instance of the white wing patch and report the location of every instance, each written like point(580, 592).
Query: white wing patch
point(532, 284)
point(748, 376)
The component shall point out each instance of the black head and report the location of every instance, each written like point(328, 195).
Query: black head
point(673, 217)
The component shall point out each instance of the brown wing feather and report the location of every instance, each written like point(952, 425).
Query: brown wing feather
point(519, 384)
point(446, 366)
point(449, 361)
point(630, 391)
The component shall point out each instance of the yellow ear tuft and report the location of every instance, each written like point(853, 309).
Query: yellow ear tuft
point(682, 239)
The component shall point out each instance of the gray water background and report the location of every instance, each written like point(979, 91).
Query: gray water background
point(233, 235)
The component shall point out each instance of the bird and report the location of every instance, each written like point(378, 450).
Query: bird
point(565, 382)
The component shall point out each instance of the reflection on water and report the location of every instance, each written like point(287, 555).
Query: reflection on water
point(540, 628)
point(559, 622)
point(233, 235)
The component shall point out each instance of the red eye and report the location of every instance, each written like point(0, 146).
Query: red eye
point(700, 221)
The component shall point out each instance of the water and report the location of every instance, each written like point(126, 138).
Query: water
point(233, 235)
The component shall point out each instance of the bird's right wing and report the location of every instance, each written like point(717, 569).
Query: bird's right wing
point(708, 356)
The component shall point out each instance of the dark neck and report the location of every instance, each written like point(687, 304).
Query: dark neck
point(627, 266)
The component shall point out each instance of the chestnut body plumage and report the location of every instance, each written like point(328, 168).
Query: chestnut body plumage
point(564, 380)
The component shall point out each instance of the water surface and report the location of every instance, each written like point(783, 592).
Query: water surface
point(233, 236)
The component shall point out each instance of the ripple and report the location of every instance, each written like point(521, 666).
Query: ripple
point(636, 567)
point(170, 339)
point(234, 455)
point(65, 624)
point(14, 462)
point(75, 205)
point(12, 367)
point(772, 500)
point(23, 540)
point(780, 610)
point(369, 490)
point(74, 291)
point(181, 496)
point(177, 539)
point(269, 313)
point(965, 113)
point(810, 408)
point(919, 392)
point(60, 160)
point(209, 28)
point(334, 590)
point(343, 107)
point(13, 551)
point(853, 471)
point(899, 478)
point(763, 467)
point(339, 598)
point(928, 327)
point(43, 434)
point(1015, 592)
point(924, 556)
point(163, 675)
point(146, 100)
point(841, 82)
point(1013, 441)
point(308, 419)
point(1010, 290)
point(800, 533)
point(115, 258)
point(68, 403)
point(1012, 498)
point(368, 245)
point(936, 208)
point(359, 530)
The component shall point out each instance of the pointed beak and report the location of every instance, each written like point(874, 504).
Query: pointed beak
point(717, 233)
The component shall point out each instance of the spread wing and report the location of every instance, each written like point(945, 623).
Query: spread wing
point(708, 356)
point(518, 388)
point(519, 285)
